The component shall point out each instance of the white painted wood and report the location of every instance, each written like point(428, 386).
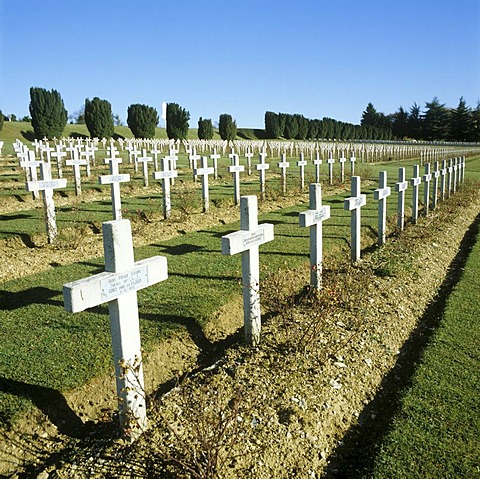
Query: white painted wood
point(381, 194)
point(145, 160)
point(76, 162)
point(249, 156)
point(443, 180)
point(47, 185)
point(330, 162)
point(193, 158)
point(436, 176)
point(30, 166)
point(354, 204)
point(215, 157)
point(118, 286)
point(427, 178)
point(449, 176)
point(261, 167)
point(401, 186)
point(455, 174)
point(317, 162)
point(114, 179)
point(59, 154)
point(313, 218)
point(204, 171)
point(166, 176)
point(236, 169)
point(247, 241)
point(302, 164)
point(352, 164)
point(415, 183)
point(283, 165)
point(342, 161)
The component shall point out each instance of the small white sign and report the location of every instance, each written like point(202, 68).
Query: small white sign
point(118, 284)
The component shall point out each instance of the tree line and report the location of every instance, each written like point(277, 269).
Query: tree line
point(435, 123)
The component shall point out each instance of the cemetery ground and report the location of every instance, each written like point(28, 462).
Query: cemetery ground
point(279, 410)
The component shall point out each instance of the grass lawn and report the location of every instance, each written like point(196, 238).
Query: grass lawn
point(437, 430)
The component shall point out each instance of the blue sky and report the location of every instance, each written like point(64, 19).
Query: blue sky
point(314, 57)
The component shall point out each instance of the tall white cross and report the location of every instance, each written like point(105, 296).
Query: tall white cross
point(401, 187)
point(436, 176)
point(427, 177)
point(114, 179)
point(215, 156)
point(455, 171)
point(235, 169)
point(118, 286)
point(247, 241)
point(248, 156)
point(47, 185)
point(283, 165)
point(415, 183)
point(204, 171)
point(354, 204)
point(302, 163)
point(317, 162)
point(342, 161)
point(381, 195)
point(144, 160)
point(76, 162)
point(313, 219)
point(166, 176)
point(352, 164)
point(443, 172)
point(30, 167)
point(330, 162)
point(59, 154)
point(449, 176)
point(261, 167)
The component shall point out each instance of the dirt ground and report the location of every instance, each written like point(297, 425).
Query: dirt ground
point(280, 410)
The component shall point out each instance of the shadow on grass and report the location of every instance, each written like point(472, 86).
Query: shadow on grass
point(38, 295)
point(356, 455)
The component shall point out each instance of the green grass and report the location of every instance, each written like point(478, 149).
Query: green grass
point(437, 430)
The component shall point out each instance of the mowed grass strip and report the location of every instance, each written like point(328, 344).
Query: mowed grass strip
point(437, 430)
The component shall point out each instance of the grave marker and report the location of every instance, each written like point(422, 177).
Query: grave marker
point(261, 167)
point(313, 219)
point(436, 176)
point(248, 156)
point(59, 154)
point(330, 162)
point(415, 183)
point(76, 162)
point(352, 164)
point(381, 195)
point(193, 162)
point(317, 162)
point(114, 179)
point(443, 172)
point(342, 161)
point(455, 170)
point(427, 177)
point(302, 163)
point(215, 156)
point(449, 177)
point(283, 165)
point(354, 204)
point(247, 241)
point(401, 187)
point(204, 171)
point(30, 167)
point(47, 185)
point(144, 160)
point(118, 286)
point(166, 176)
point(236, 169)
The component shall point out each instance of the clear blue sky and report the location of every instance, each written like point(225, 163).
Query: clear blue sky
point(314, 57)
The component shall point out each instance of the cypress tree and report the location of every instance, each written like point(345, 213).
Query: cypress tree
point(272, 125)
point(227, 127)
point(98, 118)
point(205, 129)
point(177, 121)
point(48, 113)
point(142, 120)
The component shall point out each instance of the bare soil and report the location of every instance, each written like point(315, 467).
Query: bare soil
point(284, 409)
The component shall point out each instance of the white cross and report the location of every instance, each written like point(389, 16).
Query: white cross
point(235, 169)
point(313, 219)
point(47, 185)
point(114, 179)
point(59, 154)
point(247, 241)
point(76, 163)
point(352, 164)
point(427, 177)
point(133, 157)
point(302, 163)
point(144, 159)
point(317, 162)
point(449, 176)
point(261, 167)
point(204, 171)
point(415, 183)
point(330, 162)
point(455, 169)
point(443, 172)
point(248, 156)
point(166, 176)
point(215, 156)
point(436, 176)
point(284, 164)
point(354, 204)
point(46, 149)
point(30, 167)
point(401, 187)
point(118, 286)
point(342, 161)
point(155, 152)
point(193, 158)
point(381, 195)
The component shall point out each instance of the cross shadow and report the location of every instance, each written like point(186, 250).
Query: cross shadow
point(179, 249)
point(356, 454)
point(37, 295)
point(50, 401)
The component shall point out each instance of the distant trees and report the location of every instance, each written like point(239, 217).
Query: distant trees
point(227, 127)
point(1, 120)
point(48, 113)
point(205, 129)
point(177, 121)
point(273, 125)
point(98, 118)
point(142, 120)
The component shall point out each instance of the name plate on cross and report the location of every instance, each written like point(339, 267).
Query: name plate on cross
point(239, 241)
point(46, 184)
point(354, 203)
